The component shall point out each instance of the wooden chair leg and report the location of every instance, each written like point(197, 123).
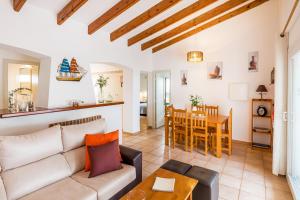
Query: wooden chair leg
point(192, 142)
point(229, 146)
point(206, 145)
point(173, 140)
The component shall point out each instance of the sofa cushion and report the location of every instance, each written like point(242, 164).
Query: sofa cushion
point(76, 159)
point(23, 180)
point(73, 135)
point(107, 184)
point(104, 158)
point(96, 140)
point(63, 190)
point(2, 190)
point(16, 151)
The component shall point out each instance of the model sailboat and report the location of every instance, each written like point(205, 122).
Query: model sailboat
point(67, 72)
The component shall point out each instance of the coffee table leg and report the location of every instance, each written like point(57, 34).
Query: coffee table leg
point(191, 196)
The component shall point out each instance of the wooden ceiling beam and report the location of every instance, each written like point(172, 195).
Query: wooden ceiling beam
point(69, 10)
point(210, 24)
point(193, 22)
point(198, 5)
point(142, 18)
point(111, 14)
point(18, 4)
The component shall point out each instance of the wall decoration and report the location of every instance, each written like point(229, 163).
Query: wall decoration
point(215, 70)
point(253, 61)
point(67, 72)
point(184, 77)
point(273, 76)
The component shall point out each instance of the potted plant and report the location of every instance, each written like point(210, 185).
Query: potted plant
point(101, 82)
point(195, 100)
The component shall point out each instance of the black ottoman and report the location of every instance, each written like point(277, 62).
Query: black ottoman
point(208, 183)
point(176, 166)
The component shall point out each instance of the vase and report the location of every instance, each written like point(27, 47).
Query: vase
point(101, 98)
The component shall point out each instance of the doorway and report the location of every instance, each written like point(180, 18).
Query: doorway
point(144, 101)
point(294, 126)
point(162, 96)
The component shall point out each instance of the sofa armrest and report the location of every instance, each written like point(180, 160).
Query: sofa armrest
point(134, 158)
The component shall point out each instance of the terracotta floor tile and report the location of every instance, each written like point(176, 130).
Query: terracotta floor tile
point(230, 181)
point(232, 171)
point(273, 194)
point(248, 196)
point(245, 175)
point(253, 188)
point(228, 193)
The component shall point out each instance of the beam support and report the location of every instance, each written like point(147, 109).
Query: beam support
point(193, 22)
point(142, 18)
point(210, 24)
point(69, 10)
point(198, 5)
point(18, 4)
point(111, 14)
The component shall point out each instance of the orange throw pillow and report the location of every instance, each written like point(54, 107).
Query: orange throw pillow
point(96, 140)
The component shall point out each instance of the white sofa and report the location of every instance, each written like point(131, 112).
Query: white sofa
point(48, 165)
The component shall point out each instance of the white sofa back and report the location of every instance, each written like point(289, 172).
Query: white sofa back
point(30, 162)
point(16, 151)
point(73, 142)
point(73, 135)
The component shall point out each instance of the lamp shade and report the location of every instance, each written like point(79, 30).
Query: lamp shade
point(261, 88)
point(195, 56)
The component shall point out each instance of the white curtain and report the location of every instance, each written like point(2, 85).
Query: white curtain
point(280, 106)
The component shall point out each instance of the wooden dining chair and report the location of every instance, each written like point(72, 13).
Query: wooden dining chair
point(227, 135)
point(169, 118)
point(199, 129)
point(212, 110)
point(180, 126)
point(200, 108)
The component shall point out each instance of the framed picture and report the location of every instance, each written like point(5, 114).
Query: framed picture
point(273, 76)
point(215, 70)
point(253, 61)
point(184, 77)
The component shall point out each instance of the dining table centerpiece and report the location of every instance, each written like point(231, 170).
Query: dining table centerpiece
point(196, 100)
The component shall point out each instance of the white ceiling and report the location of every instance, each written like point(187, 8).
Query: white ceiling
point(95, 8)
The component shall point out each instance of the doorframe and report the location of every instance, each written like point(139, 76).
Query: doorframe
point(154, 95)
point(290, 142)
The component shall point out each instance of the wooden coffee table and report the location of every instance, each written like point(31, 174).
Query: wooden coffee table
point(183, 189)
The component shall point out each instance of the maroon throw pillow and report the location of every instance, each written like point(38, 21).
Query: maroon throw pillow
point(104, 158)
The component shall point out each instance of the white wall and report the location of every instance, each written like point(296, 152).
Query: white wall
point(228, 42)
point(36, 30)
point(20, 125)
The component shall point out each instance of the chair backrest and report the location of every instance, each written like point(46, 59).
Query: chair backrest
point(200, 108)
point(212, 110)
point(199, 120)
point(180, 117)
point(230, 122)
point(168, 110)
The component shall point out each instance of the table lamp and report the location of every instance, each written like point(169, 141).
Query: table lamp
point(261, 89)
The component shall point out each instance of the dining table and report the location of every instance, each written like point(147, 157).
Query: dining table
point(216, 121)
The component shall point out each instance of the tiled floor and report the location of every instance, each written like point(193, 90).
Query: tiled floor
point(246, 175)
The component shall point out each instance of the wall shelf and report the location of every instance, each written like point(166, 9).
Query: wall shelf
point(5, 113)
point(265, 127)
